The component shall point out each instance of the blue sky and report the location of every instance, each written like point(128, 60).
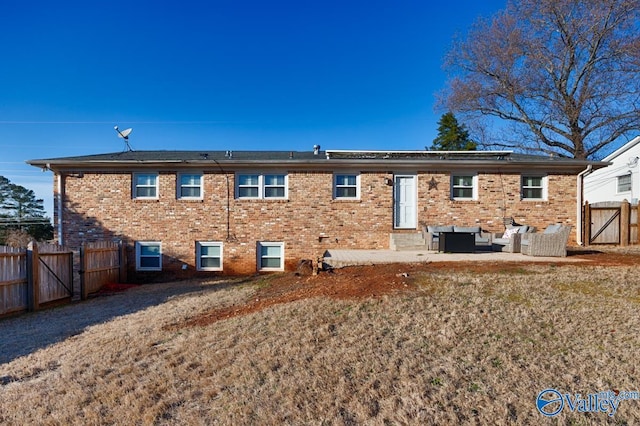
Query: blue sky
point(218, 75)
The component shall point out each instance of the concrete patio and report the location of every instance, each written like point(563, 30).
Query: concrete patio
point(340, 258)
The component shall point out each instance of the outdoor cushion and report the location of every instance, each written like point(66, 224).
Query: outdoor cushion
point(509, 232)
point(552, 229)
point(435, 230)
point(523, 229)
point(471, 229)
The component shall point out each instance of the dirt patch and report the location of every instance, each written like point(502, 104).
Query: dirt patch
point(355, 282)
point(374, 281)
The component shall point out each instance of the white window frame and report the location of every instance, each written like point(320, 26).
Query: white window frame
point(139, 245)
point(262, 244)
point(262, 186)
point(474, 185)
point(135, 186)
point(629, 177)
point(199, 257)
point(336, 186)
point(543, 187)
point(179, 185)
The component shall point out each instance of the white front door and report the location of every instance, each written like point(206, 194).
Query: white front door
point(404, 201)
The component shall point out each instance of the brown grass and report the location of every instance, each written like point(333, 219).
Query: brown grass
point(437, 347)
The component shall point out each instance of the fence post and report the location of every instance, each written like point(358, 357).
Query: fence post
point(83, 267)
point(625, 219)
point(122, 259)
point(33, 267)
point(586, 224)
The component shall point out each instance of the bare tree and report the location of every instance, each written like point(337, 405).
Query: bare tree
point(564, 73)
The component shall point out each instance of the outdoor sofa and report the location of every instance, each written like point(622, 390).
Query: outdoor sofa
point(432, 235)
point(551, 242)
point(509, 241)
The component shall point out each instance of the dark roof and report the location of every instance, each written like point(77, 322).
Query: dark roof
point(321, 159)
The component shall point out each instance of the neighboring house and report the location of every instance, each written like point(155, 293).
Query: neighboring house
point(242, 212)
point(618, 181)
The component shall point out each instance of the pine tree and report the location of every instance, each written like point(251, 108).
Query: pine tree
point(452, 136)
point(21, 210)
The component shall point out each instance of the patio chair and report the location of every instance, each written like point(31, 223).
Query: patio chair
point(551, 242)
point(510, 240)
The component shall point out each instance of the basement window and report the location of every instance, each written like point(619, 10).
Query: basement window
point(149, 256)
point(145, 186)
point(271, 256)
point(209, 256)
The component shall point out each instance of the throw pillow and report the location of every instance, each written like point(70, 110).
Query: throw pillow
point(509, 232)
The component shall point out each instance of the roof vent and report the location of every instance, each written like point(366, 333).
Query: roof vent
point(316, 149)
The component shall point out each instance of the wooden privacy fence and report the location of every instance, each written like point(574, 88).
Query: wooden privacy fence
point(42, 274)
point(101, 263)
point(610, 222)
point(13, 280)
point(34, 277)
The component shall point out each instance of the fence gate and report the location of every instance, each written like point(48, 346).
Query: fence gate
point(605, 224)
point(51, 277)
point(610, 222)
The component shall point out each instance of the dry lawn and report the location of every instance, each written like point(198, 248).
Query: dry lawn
point(445, 344)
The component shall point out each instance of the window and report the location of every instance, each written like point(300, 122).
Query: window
point(190, 186)
point(463, 187)
point(624, 183)
point(248, 186)
point(274, 186)
point(209, 256)
point(149, 256)
point(533, 188)
point(346, 186)
point(261, 186)
point(145, 185)
point(271, 256)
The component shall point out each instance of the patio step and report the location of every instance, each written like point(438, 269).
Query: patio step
point(404, 241)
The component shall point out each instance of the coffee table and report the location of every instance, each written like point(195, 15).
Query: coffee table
point(456, 242)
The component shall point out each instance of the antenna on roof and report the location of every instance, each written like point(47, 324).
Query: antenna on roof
point(124, 135)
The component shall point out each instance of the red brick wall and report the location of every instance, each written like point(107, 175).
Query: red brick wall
point(99, 206)
point(499, 197)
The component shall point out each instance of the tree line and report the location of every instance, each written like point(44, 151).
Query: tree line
point(22, 215)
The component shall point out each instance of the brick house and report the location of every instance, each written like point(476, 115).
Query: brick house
point(186, 212)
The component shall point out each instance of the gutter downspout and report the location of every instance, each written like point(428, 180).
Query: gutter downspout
point(579, 201)
point(58, 201)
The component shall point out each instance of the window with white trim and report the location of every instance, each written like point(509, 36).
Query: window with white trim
point(209, 256)
point(464, 186)
point(346, 186)
point(624, 183)
point(145, 185)
point(270, 256)
point(190, 186)
point(274, 186)
point(261, 186)
point(148, 256)
point(533, 187)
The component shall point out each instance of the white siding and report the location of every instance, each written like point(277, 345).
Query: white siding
point(602, 184)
